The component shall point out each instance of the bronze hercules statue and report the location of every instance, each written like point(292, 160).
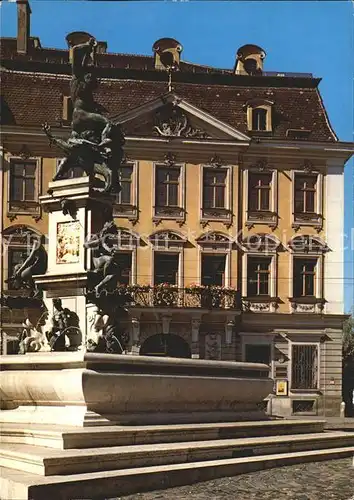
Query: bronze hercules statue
point(95, 144)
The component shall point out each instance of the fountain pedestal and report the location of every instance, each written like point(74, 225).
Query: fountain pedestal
point(75, 212)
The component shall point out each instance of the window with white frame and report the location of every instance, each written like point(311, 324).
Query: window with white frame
point(307, 199)
point(214, 188)
point(125, 204)
point(305, 193)
point(258, 275)
point(304, 366)
point(260, 267)
point(307, 260)
point(260, 192)
point(23, 187)
point(304, 273)
point(216, 193)
point(125, 178)
point(169, 191)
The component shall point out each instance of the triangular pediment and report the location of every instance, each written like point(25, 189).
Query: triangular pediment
point(172, 117)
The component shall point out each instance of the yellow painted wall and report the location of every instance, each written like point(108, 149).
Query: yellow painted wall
point(192, 227)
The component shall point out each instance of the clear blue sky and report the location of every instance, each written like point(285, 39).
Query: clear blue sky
point(315, 37)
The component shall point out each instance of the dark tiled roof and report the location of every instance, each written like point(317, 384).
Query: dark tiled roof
point(33, 98)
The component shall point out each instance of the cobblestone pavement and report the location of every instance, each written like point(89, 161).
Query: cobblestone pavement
point(330, 480)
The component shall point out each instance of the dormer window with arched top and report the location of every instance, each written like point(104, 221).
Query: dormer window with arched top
point(259, 115)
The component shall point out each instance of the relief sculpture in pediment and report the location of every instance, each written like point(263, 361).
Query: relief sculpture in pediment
point(174, 123)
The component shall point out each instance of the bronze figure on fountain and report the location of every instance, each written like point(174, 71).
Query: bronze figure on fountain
point(95, 143)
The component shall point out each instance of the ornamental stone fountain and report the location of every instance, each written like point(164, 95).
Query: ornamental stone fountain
point(78, 375)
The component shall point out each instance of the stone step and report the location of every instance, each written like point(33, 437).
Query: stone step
point(46, 461)
point(68, 437)
point(20, 485)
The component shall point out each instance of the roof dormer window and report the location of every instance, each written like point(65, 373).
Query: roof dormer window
point(259, 119)
point(259, 116)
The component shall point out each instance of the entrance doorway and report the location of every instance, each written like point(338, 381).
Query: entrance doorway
point(166, 345)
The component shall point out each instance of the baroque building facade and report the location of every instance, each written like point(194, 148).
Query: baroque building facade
point(230, 215)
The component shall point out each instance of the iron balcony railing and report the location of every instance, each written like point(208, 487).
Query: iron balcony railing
point(172, 296)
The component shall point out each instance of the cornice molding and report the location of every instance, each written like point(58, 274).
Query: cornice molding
point(13, 137)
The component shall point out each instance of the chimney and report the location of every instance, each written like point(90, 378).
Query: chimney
point(23, 25)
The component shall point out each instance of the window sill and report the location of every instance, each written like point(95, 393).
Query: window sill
point(125, 211)
point(309, 220)
point(168, 213)
point(24, 208)
point(306, 304)
point(222, 215)
point(261, 217)
point(261, 303)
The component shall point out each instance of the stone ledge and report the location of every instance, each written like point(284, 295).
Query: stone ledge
point(19, 485)
point(44, 461)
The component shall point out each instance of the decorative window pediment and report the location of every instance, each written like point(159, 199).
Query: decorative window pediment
point(127, 239)
point(20, 234)
point(307, 244)
point(261, 242)
point(167, 239)
point(214, 239)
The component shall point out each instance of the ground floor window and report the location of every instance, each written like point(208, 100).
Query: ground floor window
point(304, 368)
